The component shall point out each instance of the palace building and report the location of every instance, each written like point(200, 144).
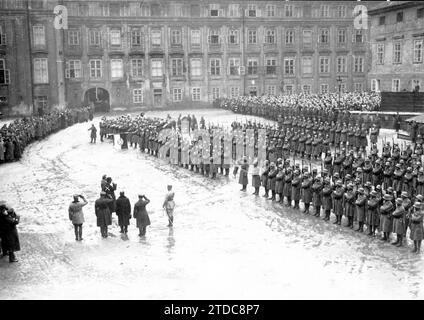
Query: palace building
point(135, 53)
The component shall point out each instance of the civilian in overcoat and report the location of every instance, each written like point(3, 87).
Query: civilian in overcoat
point(123, 211)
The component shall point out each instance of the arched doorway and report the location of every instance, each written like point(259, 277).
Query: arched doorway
point(99, 97)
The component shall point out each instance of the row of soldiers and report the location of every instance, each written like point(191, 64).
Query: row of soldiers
point(14, 137)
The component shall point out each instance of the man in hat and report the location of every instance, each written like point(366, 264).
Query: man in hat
point(8, 222)
point(398, 222)
point(338, 202)
point(123, 211)
point(169, 205)
point(306, 191)
point(272, 180)
point(416, 226)
point(360, 204)
point(327, 203)
point(102, 208)
point(386, 211)
point(316, 196)
point(93, 134)
point(141, 215)
point(243, 178)
point(76, 215)
point(372, 217)
point(296, 187)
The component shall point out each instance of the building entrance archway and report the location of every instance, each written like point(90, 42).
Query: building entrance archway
point(99, 97)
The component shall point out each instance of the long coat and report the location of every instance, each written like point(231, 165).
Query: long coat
point(360, 204)
point(102, 208)
point(243, 179)
point(316, 194)
point(338, 201)
point(295, 185)
point(279, 184)
point(416, 226)
point(140, 213)
point(307, 191)
point(327, 203)
point(264, 177)
point(123, 210)
point(398, 220)
point(386, 210)
point(372, 217)
point(287, 185)
point(9, 232)
point(271, 179)
point(349, 199)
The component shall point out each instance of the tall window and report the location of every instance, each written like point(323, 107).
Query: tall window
point(288, 10)
point(115, 9)
point(399, 16)
point(358, 64)
point(157, 70)
point(289, 37)
point(73, 69)
point(156, 36)
point(289, 66)
point(251, 10)
point(416, 84)
point(418, 51)
point(176, 67)
point(325, 11)
point(137, 68)
point(95, 68)
point(214, 10)
point(214, 36)
point(358, 36)
point(138, 95)
point(375, 85)
point(341, 64)
point(341, 11)
point(306, 89)
point(41, 73)
point(196, 67)
point(234, 66)
point(324, 36)
point(2, 36)
point(307, 38)
point(397, 53)
point(136, 38)
point(195, 94)
point(271, 66)
point(271, 89)
point(420, 13)
point(270, 36)
point(289, 89)
point(117, 68)
point(324, 88)
point(270, 10)
point(358, 87)
point(395, 85)
point(195, 38)
point(215, 67)
point(115, 37)
point(307, 65)
point(73, 37)
point(4, 73)
point(233, 36)
point(41, 101)
point(234, 92)
point(380, 53)
point(175, 37)
point(324, 64)
point(341, 36)
point(215, 93)
point(233, 10)
point(39, 35)
point(252, 39)
point(382, 20)
point(94, 38)
point(252, 66)
point(177, 94)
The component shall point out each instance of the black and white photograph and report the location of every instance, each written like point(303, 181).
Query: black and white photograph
point(211, 150)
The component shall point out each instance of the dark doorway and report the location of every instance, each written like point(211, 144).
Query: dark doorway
point(99, 97)
point(157, 97)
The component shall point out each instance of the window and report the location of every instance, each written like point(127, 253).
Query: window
point(251, 10)
point(137, 68)
point(288, 10)
point(195, 94)
point(307, 38)
point(105, 9)
point(138, 95)
point(196, 67)
point(234, 66)
point(324, 36)
point(358, 64)
point(270, 36)
point(115, 9)
point(399, 16)
point(341, 11)
point(342, 64)
point(271, 66)
point(3, 100)
point(252, 66)
point(195, 10)
point(215, 67)
point(157, 68)
point(41, 74)
point(341, 36)
point(375, 85)
point(324, 88)
point(195, 38)
point(176, 10)
point(358, 87)
point(115, 37)
point(271, 89)
point(117, 68)
point(306, 89)
point(270, 10)
point(136, 38)
point(289, 37)
point(214, 10)
point(155, 10)
point(342, 87)
point(214, 36)
point(95, 69)
point(289, 89)
point(41, 102)
point(324, 64)
point(325, 11)
point(4, 73)
point(395, 85)
point(359, 38)
point(380, 53)
point(2, 36)
point(397, 53)
point(177, 94)
point(234, 92)
point(233, 37)
point(233, 10)
point(252, 37)
point(307, 65)
point(382, 21)
point(416, 85)
point(418, 51)
point(39, 35)
point(420, 13)
point(289, 66)
point(156, 38)
point(94, 38)
point(176, 67)
point(73, 69)
point(175, 37)
point(215, 93)
point(73, 37)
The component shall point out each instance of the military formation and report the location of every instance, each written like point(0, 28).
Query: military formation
point(16, 136)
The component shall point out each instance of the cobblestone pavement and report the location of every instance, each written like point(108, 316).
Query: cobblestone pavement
point(225, 244)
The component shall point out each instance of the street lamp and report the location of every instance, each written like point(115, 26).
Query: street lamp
point(339, 82)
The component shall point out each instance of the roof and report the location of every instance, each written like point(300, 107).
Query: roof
point(418, 119)
point(388, 6)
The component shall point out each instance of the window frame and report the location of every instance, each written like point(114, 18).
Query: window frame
point(96, 68)
point(39, 35)
point(418, 60)
point(177, 92)
point(138, 95)
point(41, 65)
point(154, 69)
point(137, 65)
point(114, 64)
point(290, 65)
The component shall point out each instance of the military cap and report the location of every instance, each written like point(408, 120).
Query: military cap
point(387, 197)
point(419, 197)
point(373, 193)
point(102, 193)
point(361, 190)
point(417, 205)
point(404, 194)
point(399, 201)
point(368, 184)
